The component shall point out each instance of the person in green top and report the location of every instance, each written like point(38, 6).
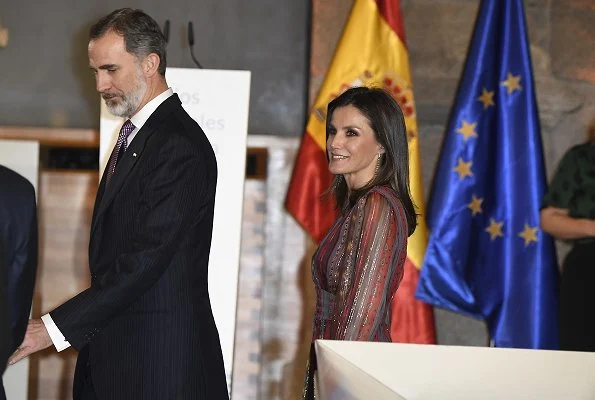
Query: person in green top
point(568, 213)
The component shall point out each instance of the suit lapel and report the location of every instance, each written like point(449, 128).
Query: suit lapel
point(125, 165)
point(129, 159)
point(98, 197)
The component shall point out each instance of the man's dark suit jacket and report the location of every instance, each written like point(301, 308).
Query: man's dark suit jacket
point(145, 329)
point(5, 334)
point(18, 258)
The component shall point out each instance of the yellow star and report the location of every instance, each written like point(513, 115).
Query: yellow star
point(475, 205)
point(495, 229)
point(487, 98)
point(529, 234)
point(463, 168)
point(512, 83)
point(468, 130)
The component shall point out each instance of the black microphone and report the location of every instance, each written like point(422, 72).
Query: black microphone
point(166, 30)
point(191, 43)
point(190, 34)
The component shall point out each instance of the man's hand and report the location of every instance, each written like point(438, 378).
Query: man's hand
point(36, 338)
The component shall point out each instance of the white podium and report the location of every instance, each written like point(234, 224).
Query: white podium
point(383, 371)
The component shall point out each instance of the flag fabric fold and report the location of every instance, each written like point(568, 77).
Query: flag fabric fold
point(487, 256)
point(371, 52)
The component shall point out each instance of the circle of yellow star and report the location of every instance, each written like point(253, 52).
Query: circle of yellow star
point(529, 234)
point(464, 168)
point(512, 83)
point(475, 205)
point(495, 229)
point(487, 98)
point(468, 130)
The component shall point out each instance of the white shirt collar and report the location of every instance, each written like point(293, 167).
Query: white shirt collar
point(144, 113)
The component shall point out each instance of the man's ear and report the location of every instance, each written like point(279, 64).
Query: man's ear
point(151, 64)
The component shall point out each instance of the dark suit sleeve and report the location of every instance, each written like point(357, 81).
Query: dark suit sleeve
point(22, 267)
point(5, 335)
point(177, 190)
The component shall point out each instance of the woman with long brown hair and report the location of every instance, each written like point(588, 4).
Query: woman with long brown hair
point(359, 263)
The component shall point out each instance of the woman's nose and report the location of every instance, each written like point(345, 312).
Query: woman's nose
point(335, 142)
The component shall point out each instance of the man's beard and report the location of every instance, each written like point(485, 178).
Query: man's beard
point(125, 104)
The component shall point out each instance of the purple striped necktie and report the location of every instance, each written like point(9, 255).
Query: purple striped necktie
point(119, 149)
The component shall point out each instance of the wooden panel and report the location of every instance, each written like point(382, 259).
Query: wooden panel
point(53, 137)
point(256, 163)
point(65, 207)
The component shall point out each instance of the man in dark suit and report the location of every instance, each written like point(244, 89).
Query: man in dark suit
point(144, 328)
point(18, 260)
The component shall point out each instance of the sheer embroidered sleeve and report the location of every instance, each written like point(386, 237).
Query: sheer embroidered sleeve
point(369, 268)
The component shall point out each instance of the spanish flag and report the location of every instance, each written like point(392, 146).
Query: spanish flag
point(371, 52)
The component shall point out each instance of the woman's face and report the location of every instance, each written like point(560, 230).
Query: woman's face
point(352, 147)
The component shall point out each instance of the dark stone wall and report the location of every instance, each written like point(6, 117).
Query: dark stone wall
point(438, 32)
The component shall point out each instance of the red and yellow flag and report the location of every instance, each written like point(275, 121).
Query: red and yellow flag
point(371, 52)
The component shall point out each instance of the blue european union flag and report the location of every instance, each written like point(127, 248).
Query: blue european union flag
point(487, 256)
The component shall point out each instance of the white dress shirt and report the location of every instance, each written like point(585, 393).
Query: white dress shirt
point(138, 120)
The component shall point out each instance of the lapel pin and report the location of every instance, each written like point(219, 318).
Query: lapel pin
point(133, 154)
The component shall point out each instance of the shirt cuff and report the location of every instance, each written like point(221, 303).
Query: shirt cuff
point(57, 337)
